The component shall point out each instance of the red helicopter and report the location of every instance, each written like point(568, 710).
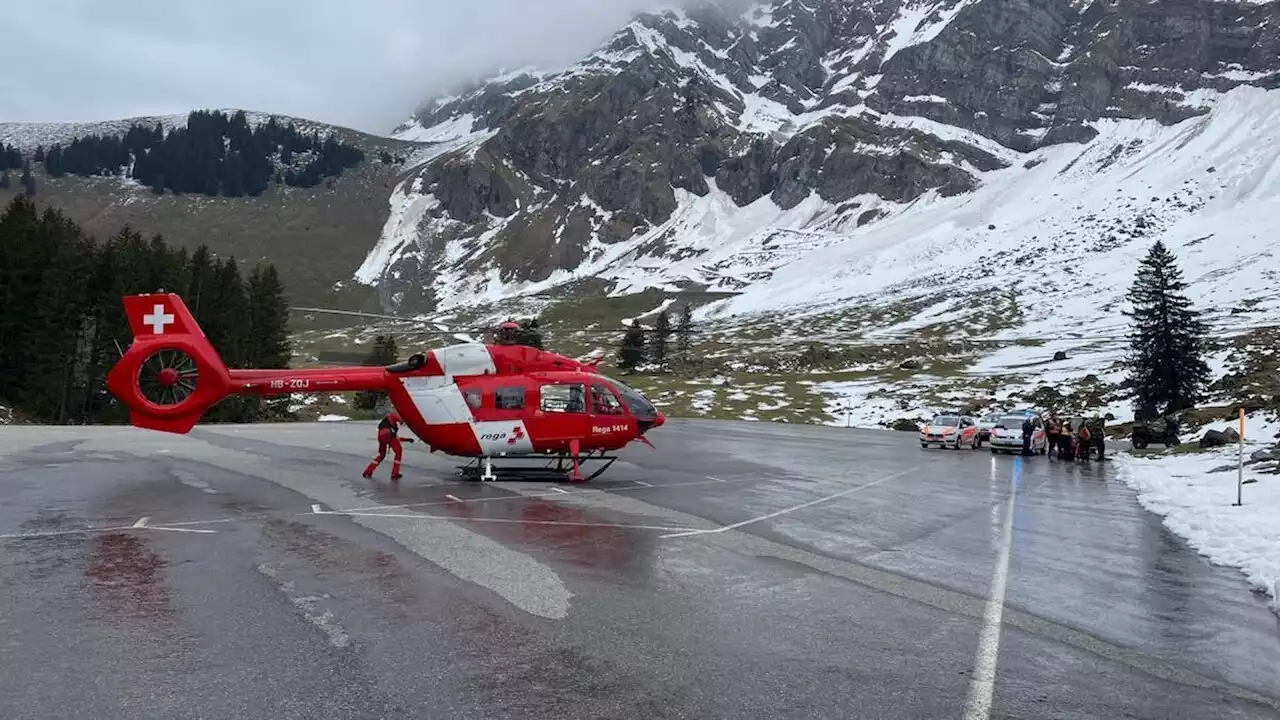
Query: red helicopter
point(480, 401)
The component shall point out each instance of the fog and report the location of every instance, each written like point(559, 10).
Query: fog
point(364, 64)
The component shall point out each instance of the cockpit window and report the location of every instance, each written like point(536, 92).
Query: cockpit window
point(603, 401)
point(635, 402)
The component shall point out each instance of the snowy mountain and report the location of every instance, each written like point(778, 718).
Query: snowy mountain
point(826, 152)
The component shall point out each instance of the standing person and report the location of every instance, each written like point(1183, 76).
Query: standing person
point(1027, 430)
point(1054, 432)
point(1083, 443)
point(387, 429)
point(1065, 451)
point(1100, 437)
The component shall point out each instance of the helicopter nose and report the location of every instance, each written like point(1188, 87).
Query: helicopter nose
point(659, 420)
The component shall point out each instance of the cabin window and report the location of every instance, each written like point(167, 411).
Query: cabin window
point(508, 398)
point(566, 397)
point(473, 398)
point(603, 401)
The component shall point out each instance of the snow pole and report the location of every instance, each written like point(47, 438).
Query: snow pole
point(1240, 464)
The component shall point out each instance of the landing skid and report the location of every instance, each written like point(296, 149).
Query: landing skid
point(532, 467)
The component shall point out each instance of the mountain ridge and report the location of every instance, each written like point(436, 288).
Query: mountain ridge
point(829, 118)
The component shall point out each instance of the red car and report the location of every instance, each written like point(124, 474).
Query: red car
point(953, 431)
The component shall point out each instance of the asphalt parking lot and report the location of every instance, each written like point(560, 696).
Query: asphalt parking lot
point(738, 570)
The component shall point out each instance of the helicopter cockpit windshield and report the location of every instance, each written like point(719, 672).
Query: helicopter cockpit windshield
point(638, 404)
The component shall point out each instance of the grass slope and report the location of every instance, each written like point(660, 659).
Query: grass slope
point(315, 236)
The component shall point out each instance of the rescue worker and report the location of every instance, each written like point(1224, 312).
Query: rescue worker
point(1082, 441)
point(1054, 433)
point(1100, 437)
point(1027, 430)
point(1065, 449)
point(387, 429)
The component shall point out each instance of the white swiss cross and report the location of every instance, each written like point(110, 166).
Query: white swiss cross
point(158, 319)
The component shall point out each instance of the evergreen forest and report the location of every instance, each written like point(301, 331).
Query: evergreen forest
point(215, 154)
point(62, 324)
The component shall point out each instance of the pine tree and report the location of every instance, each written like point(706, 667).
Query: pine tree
point(1167, 371)
point(28, 181)
point(268, 320)
point(660, 340)
point(384, 352)
point(529, 333)
point(684, 335)
point(631, 354)
point(267, 340)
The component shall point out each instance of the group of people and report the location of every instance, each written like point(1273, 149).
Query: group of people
point(1068, 442)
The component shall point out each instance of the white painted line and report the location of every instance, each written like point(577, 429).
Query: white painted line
point(560, 490)
point(142, 522)
point(716, 479)
point(315, 509)
point(176, 529)
point(645, 484)
point(414, 516)
point(507, 498)
point(801, 506)
point(454, 498)
point(982, 682)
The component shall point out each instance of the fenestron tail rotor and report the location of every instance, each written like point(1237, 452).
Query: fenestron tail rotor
point(168, 377)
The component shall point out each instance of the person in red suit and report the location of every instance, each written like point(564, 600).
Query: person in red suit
point(387, 429)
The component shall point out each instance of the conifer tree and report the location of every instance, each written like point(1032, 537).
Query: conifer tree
point(684, 334)
point(383, 352)
point(660, 339)
point(631, 354)
point(529, 334)
point(267, 339)
point(1167, 371)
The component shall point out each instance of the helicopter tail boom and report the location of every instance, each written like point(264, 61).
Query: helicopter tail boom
point(171, 374)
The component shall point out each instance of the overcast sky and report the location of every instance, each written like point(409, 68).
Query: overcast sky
point(361, 63)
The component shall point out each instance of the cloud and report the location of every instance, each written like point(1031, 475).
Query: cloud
point(362, 63)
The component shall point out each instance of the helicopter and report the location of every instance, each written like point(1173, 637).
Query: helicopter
point(484, 402)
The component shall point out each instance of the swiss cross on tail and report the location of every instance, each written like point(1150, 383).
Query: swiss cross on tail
point(158, 315)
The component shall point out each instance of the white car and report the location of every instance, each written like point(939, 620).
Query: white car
point(953, 431)
point(985, 423)
point(1006, 435)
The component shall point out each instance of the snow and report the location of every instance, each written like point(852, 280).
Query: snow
point(1196, 492)
point(332, 418)
point(1070, 200)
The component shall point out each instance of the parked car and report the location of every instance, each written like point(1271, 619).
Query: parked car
point(953, 431)
point(985, 423)
point(1006, 434)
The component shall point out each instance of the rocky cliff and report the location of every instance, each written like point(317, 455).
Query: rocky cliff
point(792, 124)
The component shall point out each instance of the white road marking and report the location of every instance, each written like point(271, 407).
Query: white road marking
point(120, 528)
point(715, 479)
point(415, 516)
point(175, 529)
point(801, 506)
point(982, 683)
point(142, 522)
point(541, 495)
point(560, 490)
point(316, 509)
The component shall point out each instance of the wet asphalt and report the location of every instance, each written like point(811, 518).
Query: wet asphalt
point(740, 570)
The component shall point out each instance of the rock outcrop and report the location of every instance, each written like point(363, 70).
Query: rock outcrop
point(538, 175)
